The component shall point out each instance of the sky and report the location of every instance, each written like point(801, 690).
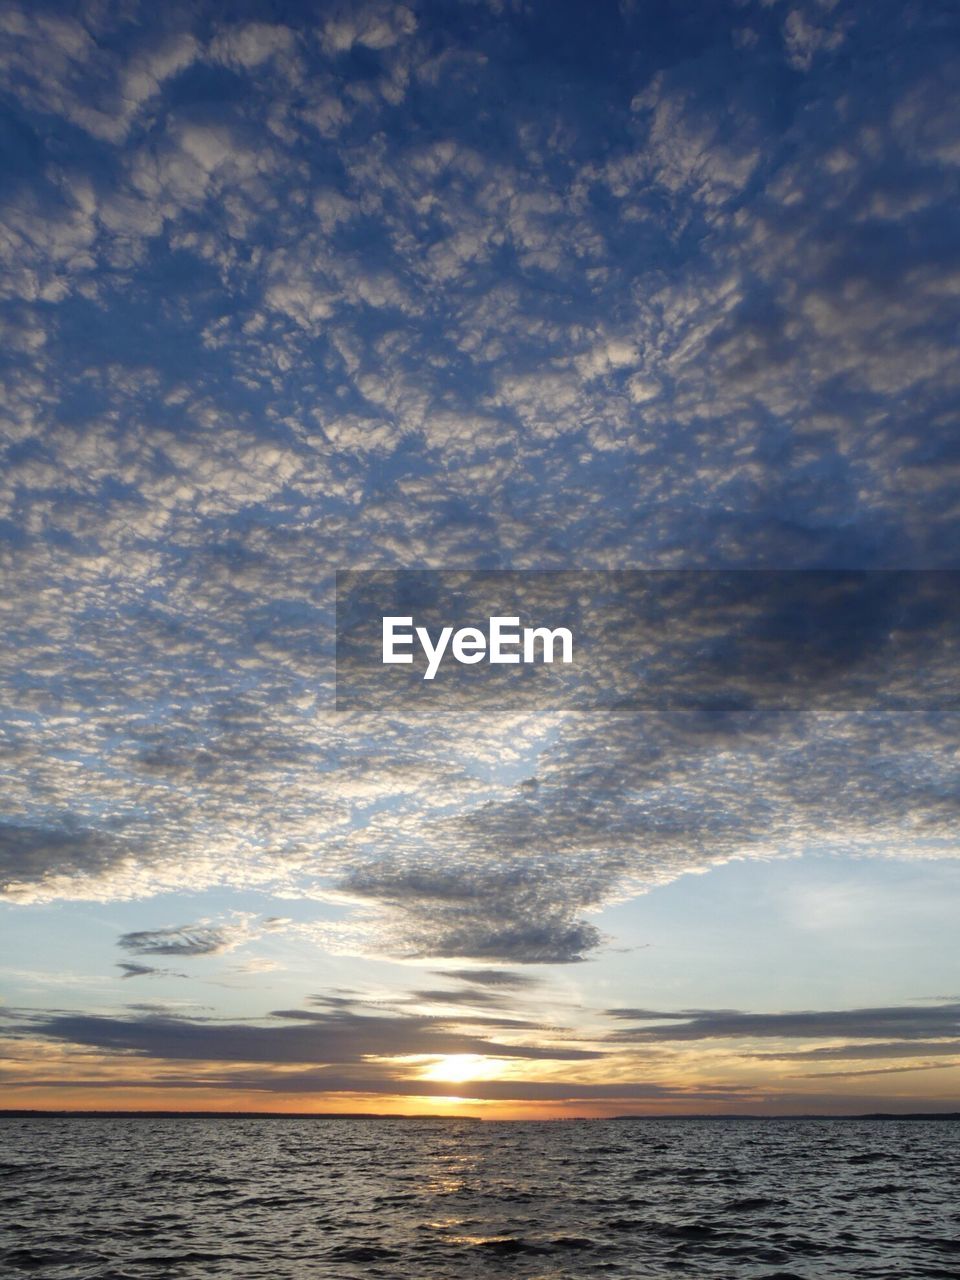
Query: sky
point(638, 315)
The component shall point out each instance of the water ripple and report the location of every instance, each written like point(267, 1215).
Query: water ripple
point(181, 1199)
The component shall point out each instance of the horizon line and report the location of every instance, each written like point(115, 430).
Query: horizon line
point(8, 1113)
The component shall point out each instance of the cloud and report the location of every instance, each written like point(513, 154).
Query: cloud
point(58, 66)
point(908, 1023)
point(183, 940)
point(875, 1071)
point(504, 914)
point(340, 1044)
point(29, 853)
point(247, 45)
point(490, 978)
point(455, 996)
point(131, 970)
point(887, 1049)
point(805, 38)
point(706, 717)
point(373, 25)
point(330, 1037)
point(386, 287)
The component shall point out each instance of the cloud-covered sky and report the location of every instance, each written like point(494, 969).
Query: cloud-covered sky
point(295, 288)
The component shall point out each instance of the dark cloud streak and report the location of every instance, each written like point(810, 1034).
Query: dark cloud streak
point(907, 1023)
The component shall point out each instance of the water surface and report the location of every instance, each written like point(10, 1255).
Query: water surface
point(125, 1198)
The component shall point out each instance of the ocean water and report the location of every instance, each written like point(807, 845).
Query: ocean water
point(116, 1199)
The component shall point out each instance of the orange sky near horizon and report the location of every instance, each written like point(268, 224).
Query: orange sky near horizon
point(47, 1078)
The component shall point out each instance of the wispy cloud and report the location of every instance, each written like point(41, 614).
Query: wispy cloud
point(132, 970)
point(295, 1036)
point(907, 1023)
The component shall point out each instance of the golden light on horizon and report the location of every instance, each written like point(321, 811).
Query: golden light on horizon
point(459, 1068)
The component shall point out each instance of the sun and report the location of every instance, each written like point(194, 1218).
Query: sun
point(458, 1068)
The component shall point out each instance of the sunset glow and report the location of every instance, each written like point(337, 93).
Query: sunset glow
point(459, 1068)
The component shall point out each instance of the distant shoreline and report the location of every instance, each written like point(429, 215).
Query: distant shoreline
point(9, 1113)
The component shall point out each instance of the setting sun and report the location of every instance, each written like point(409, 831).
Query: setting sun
point(457, 1068)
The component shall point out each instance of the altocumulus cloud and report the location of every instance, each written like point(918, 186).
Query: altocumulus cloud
point(390, 284)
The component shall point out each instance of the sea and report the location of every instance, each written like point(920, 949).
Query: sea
point(444, 1199)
